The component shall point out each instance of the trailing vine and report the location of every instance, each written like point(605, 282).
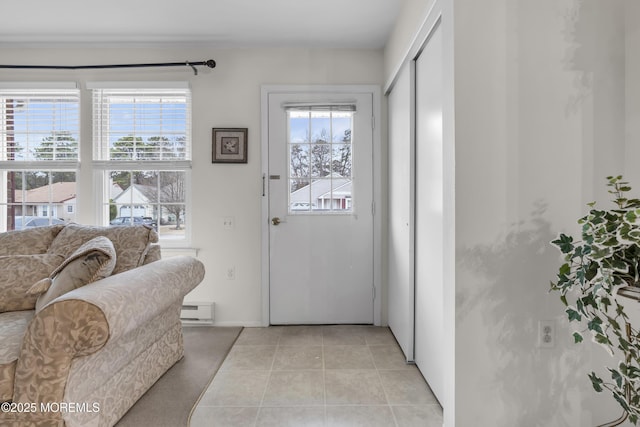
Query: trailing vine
point(605, 260)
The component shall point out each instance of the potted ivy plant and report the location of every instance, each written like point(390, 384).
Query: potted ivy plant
point(599, 277)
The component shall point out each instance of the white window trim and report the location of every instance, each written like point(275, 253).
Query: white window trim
point(142, 85)
point(37, 85)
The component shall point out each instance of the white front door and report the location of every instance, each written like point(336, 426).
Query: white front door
point(320, 184)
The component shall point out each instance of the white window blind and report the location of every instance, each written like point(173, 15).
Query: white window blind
point(39, 124)
point(142, 125)
point(319, 106)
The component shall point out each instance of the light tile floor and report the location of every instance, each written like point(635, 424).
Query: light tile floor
point(317, 376)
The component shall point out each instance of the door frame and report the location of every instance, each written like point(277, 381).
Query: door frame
point(375, 92)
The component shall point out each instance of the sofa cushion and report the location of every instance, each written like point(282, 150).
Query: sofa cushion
point(154, 254)
point(92, 261)
point(12, 328)
point(18, 273)
point(130, 242)
point(33, 240)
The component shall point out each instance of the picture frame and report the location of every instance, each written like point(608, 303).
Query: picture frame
point(229, 145)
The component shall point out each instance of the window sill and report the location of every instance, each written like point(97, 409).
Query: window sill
point(171, 252)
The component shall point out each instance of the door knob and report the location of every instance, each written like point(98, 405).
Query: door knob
point(275, 220)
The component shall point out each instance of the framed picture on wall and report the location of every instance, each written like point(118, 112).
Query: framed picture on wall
point(229, 145)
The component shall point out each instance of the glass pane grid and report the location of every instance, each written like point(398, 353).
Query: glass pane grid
point(36, 198)
point(151, 197)
point(320, 162)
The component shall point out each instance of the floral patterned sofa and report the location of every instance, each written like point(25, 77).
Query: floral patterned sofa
point(89, 320)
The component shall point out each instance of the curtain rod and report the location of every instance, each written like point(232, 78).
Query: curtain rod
point(209, 63)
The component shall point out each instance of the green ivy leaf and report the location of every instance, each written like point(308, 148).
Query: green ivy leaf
point(563, 298)
point(613, 322)
point(611, 241)
point(620, 311)
point(602, 339)
point(577, 338)
point(615, 375)
point(588, 300)
point(633, 372)
point(573, 315)
point(596, 382)
point(600, 253)
point(620, 399)
point(577, 253)
point(619, 265)
point(623, 344)
point(595, 325)
point(564, 243)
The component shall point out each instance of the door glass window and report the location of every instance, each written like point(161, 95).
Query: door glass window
point(320, 159)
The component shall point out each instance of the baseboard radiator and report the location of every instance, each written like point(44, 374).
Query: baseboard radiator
point(197, 313)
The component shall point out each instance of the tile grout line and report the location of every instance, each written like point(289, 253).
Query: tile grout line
point(266, 386)
point(384, 390)
point(324, 381)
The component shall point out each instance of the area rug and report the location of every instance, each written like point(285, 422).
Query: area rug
point(170, 401)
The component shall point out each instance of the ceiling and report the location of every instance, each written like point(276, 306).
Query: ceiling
point(222, 23)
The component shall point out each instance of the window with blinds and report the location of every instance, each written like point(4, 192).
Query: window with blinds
point(141, 124)
point(39, 125)
point(142, 145)
point(39, 154)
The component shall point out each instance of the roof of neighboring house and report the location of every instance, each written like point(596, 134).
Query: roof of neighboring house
point(59, 192)
point(321, 188)
point(147, 191)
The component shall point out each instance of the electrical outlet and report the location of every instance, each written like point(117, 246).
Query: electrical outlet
point(231, 273)
point(546, 333)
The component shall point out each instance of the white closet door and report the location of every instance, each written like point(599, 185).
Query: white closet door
point(401, 210)
point(429, 217)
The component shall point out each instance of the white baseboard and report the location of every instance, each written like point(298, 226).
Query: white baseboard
point(236, 323)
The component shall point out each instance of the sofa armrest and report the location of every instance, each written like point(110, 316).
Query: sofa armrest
point(56, 335)
point(80, 322)
point(136, 296)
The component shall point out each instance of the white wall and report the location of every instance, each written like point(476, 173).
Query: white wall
point(543, 98)
point(632, 90)
point(543, 113)
point(227, 96)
